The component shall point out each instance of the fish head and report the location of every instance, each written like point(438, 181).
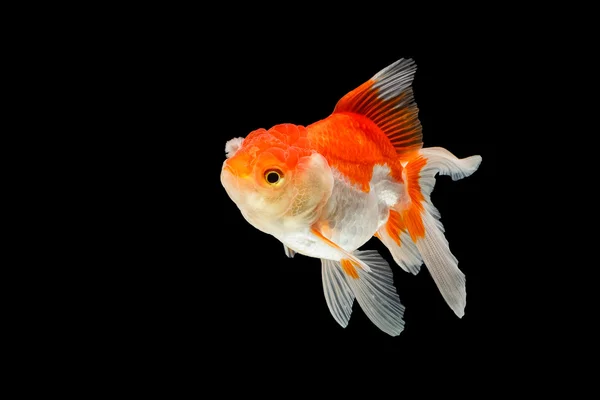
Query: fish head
point(277, 182)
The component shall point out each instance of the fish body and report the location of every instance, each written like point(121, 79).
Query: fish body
point(324, 190)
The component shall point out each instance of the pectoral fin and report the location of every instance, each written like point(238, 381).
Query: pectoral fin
point(338, 294)
point(374, 291)
point(349, 261)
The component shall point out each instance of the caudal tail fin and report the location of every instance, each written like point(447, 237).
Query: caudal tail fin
point(422, 219)
point(413, 232)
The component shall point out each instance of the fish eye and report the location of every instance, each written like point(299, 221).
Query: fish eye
point(273, 176)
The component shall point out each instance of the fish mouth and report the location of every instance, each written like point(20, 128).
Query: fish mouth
point(228, 176)
point(228, 168)
point(230, 181)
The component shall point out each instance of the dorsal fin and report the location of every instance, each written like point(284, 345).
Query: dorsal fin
point(387, 100)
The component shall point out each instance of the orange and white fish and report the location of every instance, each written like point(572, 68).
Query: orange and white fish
point(325, 189)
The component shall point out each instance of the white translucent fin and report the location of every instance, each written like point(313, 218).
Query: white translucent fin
point(406, 255)
point(289, 252)
point(395, 78)
point(434, 247)
point(446, 163)
point(338, 294)
point(376, 294)
point(442, 265)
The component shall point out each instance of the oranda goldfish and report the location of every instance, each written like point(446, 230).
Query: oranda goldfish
point(325, 189)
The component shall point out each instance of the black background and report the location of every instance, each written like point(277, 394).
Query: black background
point(234, 282)
point(149, 277)
point(198, 286)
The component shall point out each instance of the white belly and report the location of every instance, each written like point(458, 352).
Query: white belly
point(350, 218)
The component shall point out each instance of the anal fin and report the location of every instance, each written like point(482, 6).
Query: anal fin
point(395, 237)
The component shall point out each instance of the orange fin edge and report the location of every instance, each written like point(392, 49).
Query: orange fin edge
point(349, 264)
point(349, 268)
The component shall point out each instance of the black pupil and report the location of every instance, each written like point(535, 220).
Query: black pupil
point(272, 177)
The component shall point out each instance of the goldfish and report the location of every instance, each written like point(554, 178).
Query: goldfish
point(325, 189)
